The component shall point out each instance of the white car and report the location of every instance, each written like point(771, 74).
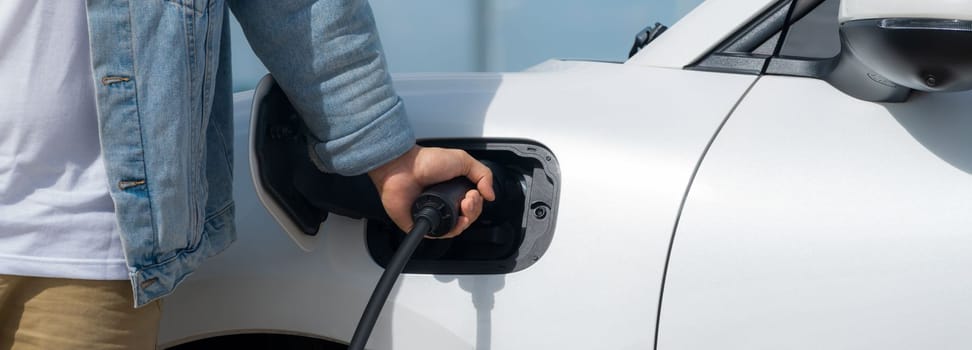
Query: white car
point(743, 182)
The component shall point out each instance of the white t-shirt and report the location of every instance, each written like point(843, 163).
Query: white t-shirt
point(56, 218)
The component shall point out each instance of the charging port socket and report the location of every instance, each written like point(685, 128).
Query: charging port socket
point(513, 232)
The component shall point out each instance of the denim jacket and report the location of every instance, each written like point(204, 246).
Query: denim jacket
point(164, 100)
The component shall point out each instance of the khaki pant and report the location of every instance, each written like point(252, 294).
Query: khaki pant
point(54, 313)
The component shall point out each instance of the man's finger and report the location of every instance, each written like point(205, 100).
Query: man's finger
point(471, 206)
point(461, 225)
point(480, 175)
point(399, 212)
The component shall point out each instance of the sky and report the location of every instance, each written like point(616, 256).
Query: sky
point(494, 35)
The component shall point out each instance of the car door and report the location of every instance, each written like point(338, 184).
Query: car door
point(818, 220)
point(618, 144)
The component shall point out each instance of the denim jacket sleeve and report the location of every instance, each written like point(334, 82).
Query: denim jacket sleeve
point(327, 57)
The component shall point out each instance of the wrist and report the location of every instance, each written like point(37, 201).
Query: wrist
point(380, 174)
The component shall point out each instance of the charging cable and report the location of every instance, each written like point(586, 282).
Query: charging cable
point(435, 213)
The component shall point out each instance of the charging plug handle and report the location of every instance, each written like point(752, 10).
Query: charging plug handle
point(445, 198)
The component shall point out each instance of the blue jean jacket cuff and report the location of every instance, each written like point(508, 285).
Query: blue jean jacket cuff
point(384, 139)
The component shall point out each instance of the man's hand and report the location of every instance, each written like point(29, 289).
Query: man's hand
point(400, 182)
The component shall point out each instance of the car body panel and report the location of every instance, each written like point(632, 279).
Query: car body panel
point(627, 139)
point(818, 221)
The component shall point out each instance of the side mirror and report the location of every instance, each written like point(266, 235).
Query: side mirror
point(890, 48)
point(922, 45)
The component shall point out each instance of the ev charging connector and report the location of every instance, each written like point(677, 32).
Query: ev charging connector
point(435, 213)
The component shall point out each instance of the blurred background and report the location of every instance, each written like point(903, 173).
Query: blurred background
point(494, 35)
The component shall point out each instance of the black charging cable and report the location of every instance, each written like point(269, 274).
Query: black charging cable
point(435, 213)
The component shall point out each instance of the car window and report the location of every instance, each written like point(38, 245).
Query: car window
point(816, 34)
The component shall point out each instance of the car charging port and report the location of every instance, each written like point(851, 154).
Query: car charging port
point(512, 233)
point(514, 230)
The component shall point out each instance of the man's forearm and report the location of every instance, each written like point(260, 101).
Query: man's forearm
point(327, 58)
